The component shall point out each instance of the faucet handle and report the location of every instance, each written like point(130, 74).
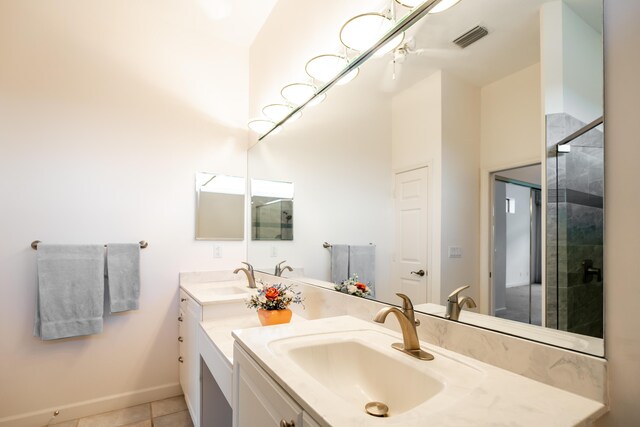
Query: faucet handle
point(249, 266)
point(406, 302)
point(453, 296)
point(282, 262)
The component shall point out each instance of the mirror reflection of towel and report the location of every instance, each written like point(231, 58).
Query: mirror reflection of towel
point(339, 263)
point(362, 261)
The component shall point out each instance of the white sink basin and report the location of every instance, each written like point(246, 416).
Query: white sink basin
point(360, 373)
point(219, 292)
point(359, 367)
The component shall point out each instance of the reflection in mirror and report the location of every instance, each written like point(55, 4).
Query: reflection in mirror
point(443, 156)
point(271, 210)
point(219, 207)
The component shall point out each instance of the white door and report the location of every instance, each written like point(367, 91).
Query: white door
point(410, 254)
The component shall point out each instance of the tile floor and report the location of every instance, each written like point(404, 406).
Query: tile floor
point(171, 412)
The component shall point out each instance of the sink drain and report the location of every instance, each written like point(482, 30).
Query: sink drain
point(377, 409)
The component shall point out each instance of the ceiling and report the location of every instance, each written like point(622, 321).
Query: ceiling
point(513, 42)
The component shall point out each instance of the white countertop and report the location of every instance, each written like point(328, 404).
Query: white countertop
point(501, 397)
point(219, 331)
point(216, 292)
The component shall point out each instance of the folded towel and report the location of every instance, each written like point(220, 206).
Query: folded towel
point(339, 263)
point(70, 291)
point(123, 276)
point(362, 261)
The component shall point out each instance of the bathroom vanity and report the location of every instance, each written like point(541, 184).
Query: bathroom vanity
point(325, 366)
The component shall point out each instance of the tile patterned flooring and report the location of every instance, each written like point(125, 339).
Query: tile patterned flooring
point(171, 412)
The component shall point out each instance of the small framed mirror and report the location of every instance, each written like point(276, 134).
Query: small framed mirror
point(220, 201)
point(271, 210)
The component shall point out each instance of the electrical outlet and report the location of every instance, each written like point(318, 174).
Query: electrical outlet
point(273, 251)
point(217, 251)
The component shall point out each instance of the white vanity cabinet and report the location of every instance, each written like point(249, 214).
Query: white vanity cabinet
point(258, 401)
point(189, 318)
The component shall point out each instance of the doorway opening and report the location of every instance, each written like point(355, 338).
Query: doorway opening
point(516, 270)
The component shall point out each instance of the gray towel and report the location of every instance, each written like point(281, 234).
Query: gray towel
point(123, 276)
point(362, 261)
point(70, 291)
point(339, 263)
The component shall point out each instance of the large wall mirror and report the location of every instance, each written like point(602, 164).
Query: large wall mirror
point(474, 163)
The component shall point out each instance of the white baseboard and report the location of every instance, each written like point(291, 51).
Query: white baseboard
point(91, 407)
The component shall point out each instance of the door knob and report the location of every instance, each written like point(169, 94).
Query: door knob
point(419, 273)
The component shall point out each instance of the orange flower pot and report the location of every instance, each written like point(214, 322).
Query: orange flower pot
point(274, 317)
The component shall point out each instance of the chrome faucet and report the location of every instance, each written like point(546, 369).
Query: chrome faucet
point(408, 323)
point(454, 305)
point(280, 270)
point(251, 278)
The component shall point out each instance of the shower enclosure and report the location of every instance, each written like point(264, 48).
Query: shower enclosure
point(575, 219)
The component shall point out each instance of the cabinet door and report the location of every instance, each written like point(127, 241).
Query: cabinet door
point(258, 400)
point(190, 316)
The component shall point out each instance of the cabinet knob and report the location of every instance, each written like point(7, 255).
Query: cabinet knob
point(285, 423)
point(179, 318)
point(180, 339)
point(183, 299)
point(180, 359)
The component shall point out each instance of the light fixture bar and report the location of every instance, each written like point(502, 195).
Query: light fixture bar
point(402, 25)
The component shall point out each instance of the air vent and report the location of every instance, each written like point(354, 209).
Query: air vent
point(471, 36)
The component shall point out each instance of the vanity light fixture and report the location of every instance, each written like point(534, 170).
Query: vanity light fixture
point(440, 7)
point(323, 68)
point(363, 31)
point(277, 112)
point(299, 93)
point(261, 126)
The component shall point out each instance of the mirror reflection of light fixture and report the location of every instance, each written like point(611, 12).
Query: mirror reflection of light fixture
point(277, 112)
point(261, 126)
point(440, 7)
point(363, 31)
point(299, 93)
point(324, 68)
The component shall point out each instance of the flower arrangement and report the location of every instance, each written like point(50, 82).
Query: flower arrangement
point(352, 286)
point(274, 297)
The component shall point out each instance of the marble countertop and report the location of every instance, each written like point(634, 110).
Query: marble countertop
point(500, 397)
point(219, 331)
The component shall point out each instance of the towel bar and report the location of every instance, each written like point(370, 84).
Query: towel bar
point(34, 244)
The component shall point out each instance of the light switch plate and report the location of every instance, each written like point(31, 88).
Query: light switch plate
point(455, 252)
point(217, 251)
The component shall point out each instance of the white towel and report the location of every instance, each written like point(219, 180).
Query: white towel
point(70, 291)
point(123, 276)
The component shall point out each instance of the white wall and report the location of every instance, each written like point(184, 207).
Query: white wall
point(460, 184)
point(105, 116)
point(571, 53)
point(518, 236)
point(622, 293)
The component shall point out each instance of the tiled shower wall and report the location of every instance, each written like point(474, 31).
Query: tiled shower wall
point(574, 227)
